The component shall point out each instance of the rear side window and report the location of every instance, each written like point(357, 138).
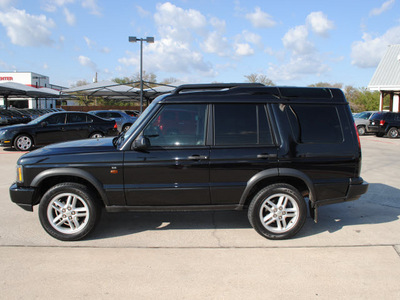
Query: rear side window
point(241, 124)
point(315, 123)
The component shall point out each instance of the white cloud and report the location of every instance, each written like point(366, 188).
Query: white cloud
point(89, 42)
point(296, 40)
point(92, 6)
point(243, 49)
point(297, 67)
point(27, 30)
point(52, 5)
point(260, 19)
point(216, 43)
point(177, 23)
point(142, 12)
point(87, 62)
point(385, 6)
point(251, 37)
point(5, 3)
point(319, 23)
point(69, 17)
point(368, 52)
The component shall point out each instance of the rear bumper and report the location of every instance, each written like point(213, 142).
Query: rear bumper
point(22, 196)
point(357, 188)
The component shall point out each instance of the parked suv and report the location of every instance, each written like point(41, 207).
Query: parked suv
point(270, 150)
point(362, 121)
point(123, 120)
point(385, 123)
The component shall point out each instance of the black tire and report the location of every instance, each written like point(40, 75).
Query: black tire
point(361, 130)
point(23, 142)
point(96, 135)
point(393, 133)
point(69, 211)
point(379, 134)
point(278, 211)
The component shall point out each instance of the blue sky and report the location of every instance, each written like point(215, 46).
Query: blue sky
point(291, 42)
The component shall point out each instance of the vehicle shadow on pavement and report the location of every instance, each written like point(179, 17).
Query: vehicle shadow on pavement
point(381, 204)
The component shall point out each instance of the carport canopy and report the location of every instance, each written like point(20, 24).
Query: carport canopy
point(18, 90)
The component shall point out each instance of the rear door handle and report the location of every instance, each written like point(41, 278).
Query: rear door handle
point(266, 156)
point(197, 157)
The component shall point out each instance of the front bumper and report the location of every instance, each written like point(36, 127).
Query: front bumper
point(22, 196)
point(5, 143)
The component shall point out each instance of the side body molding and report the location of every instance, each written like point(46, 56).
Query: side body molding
point(278, 173)
point(71, 172)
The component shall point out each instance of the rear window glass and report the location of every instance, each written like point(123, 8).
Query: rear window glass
point(315, 123)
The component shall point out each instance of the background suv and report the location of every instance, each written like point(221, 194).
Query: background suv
point(385, 123)
point(362, 121)
point(123, 120)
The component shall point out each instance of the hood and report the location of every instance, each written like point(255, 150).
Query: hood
point(72, 147)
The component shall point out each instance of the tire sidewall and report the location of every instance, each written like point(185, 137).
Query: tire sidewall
point(258, 200)
point(80, 190)
point(393, 133)
point(18, 137)
point(361, 130)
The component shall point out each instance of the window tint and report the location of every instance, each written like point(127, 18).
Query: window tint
point(178, 125)
point(76, 118)
point(56, 119)
point(315, 123)
point(102, 114)
point(114, 115)
point(241, 124)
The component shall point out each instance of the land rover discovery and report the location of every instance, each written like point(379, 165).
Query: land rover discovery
point(269, 150)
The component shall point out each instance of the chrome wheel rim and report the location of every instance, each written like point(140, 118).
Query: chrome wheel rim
point(68, 213)
point(24, 143)
point(279, 213)
point(97, 135)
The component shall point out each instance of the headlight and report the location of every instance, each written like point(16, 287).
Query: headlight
point(20, 174)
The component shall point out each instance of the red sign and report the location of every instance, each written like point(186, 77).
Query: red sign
point(6, 79)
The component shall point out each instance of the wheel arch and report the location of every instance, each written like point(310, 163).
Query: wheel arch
point(296, 178)
point(48, 178)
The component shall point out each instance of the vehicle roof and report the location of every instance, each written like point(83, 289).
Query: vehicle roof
point(251, 92)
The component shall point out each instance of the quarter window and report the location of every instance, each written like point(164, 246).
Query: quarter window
point(315, 123)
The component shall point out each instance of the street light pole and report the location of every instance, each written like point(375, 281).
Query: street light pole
point(134, 39)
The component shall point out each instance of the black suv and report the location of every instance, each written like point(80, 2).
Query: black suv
point(385, 123)
point(204, 147)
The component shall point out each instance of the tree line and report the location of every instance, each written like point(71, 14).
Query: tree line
point(360, 99)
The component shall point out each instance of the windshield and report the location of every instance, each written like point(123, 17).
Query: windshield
point(39, 119)
point(135, 125)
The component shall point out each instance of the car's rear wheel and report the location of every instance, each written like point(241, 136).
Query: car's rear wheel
point(96, 135)
point(126, 127)
point(23, 142)
point(361, 130)
point(69, 211)
point(393, 133)
point(277, 211)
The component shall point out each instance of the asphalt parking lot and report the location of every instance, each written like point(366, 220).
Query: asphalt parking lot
point(353, 251)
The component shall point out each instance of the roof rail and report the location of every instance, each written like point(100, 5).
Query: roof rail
point(212, 86)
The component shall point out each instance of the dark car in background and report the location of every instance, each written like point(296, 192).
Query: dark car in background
point(56, 127)
point(362, 121)
point(385, 123)
point(123, 120)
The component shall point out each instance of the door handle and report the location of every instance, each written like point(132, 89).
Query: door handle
point(266, 156)
point(197, 157)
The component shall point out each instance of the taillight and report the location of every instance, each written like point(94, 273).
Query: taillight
point(382, 122)
point(358, 136)
point(115, 125)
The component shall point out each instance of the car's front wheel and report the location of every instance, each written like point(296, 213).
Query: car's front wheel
point(69, 211)
point(23, 142)
point(277, 211)
point(96, 135)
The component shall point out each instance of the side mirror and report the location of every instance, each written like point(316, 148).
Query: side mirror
point(141, 144)
point(43, 124)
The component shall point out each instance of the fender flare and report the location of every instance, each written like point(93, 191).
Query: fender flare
point(71, 172)
point(276, 173)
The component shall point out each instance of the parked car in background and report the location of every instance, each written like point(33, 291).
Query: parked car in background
point(132, 113)
point(362, 121)
point(123, 120)
point(385, 123)
point(54, 128)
